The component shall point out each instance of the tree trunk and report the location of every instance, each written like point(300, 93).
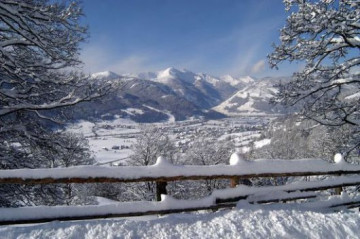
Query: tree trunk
point(160, 189)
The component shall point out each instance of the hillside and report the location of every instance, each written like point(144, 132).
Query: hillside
point(252, 99)
point(173, 94)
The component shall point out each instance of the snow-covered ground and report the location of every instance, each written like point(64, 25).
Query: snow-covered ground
point(246, 221)
point(290, 220)
point(109, 141)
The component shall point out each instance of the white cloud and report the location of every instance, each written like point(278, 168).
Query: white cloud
point(94, 58)
point(251, 42)
point(98, 58)
point(130, 64)
point(258, 67)
point(242, 62)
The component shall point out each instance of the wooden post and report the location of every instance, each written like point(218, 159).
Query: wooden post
point(160, 189)
point(338, 159)
point(234, 181)
point(338, 190)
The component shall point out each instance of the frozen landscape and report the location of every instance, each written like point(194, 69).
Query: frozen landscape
point(179, 119)
point(112, 144)
point(111, 140)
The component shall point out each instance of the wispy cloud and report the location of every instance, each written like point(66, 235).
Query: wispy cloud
point(98, 58)
point(251, 43)
point(236, 53)
point(131, 64)
point(258, 67)
point(94, 58)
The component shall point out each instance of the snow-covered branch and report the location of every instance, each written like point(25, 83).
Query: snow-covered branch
point(325, 37)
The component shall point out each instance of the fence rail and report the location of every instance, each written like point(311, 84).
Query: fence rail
point(163, 172)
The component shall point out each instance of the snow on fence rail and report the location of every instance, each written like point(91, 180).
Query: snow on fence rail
point(163, 172)
point(170, 205)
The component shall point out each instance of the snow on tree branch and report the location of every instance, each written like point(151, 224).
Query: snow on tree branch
point(39, 58)
point(325, 37)
point(39, 40)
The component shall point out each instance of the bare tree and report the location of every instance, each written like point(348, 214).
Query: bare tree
point(152, 143)
point(293, 137)
point(205, 151)
point(39, 50)
point(67, 150)
point(39, 42)
point(325, 36)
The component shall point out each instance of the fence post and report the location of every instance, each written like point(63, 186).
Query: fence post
point(160, 189)
point(338, 158)
point(234, 181)
point(338, 191)
point(161, 185)
point(235, 159)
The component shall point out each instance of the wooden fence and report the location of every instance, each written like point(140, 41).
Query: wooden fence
point(163, 172)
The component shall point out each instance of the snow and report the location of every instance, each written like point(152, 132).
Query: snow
point(236, 159)
point(253, 194)
point(104, 135)
point(171, 73)
point(338, 158)
point(105, 201)
point(276, 195)
point(235, 81)
point(354, 96)
point(106, 208)
point(248, 106)
point(257, 167)
point(82, 127)
point(166, 74)
point(171, 117)
point(250, 100)
point(105, 75)
point(245, 221)
point(102, 148)
point(162, 162)
point(133, 111)
point(244, 149)
point(133, 85)
point(262, 143)
point(243, 190)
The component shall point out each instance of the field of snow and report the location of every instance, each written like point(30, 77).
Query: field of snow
point(246, 221)
point(102, 149)
point(106, 136)
point(290, 220)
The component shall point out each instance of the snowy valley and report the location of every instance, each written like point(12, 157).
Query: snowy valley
point(173, 94)
point(254, 133)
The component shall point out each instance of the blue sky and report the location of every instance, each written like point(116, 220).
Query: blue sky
point(212, 36)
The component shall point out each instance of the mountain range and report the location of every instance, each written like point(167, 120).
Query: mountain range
point(174, 94)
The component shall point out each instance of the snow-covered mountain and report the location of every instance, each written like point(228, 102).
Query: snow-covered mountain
point(181, 94)
point(105, 76)
point(253, 98)
point(237, 82)
point(201, 89)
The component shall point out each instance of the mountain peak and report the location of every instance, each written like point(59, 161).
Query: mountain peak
point(247, 79)
point(168, 72)
point(172, 73)
point(108, 75)
point(236, 81)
